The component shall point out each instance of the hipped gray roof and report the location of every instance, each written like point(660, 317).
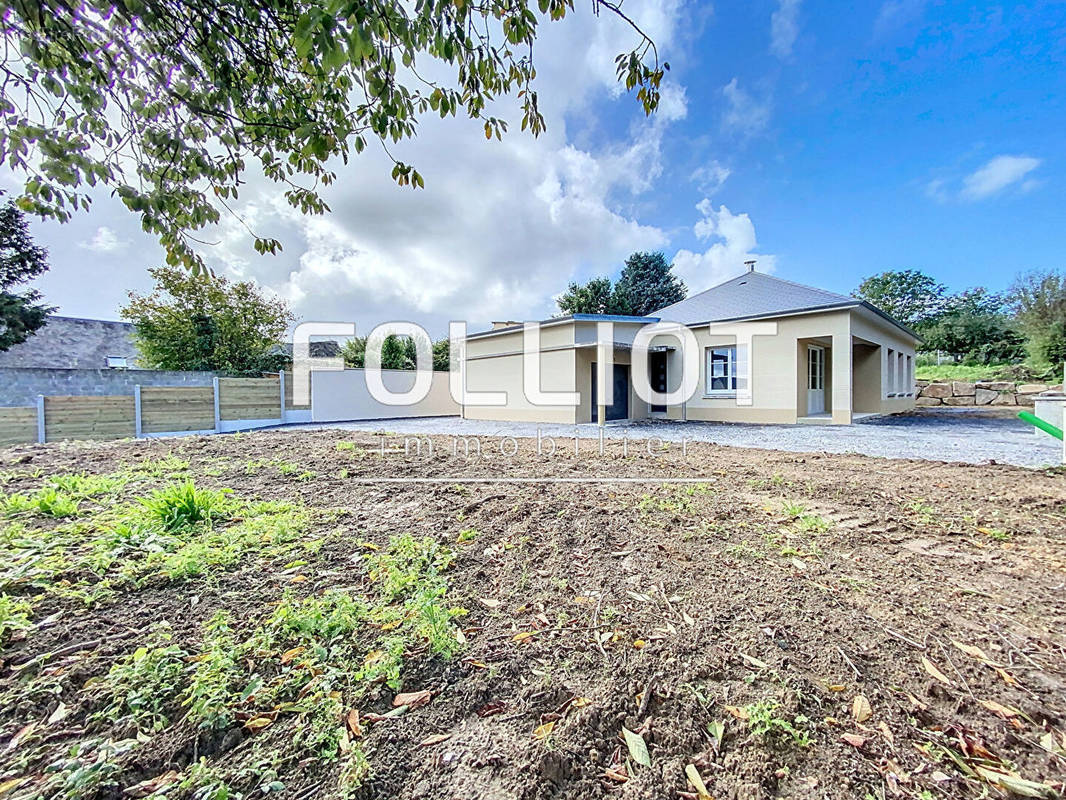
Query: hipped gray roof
point(755, 294)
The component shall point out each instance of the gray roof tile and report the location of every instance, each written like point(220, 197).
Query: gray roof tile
point(753, 294)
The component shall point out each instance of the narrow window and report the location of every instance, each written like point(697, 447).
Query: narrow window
point(891, 387)
point(116, 362)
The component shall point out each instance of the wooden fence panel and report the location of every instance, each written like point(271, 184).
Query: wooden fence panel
point(249, 398)
point(290, 382)
point(166, 409)
point(18, 425)
point(88, 417)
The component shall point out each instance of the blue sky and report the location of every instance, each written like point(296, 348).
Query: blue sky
point(828, 142)
point(864, 134)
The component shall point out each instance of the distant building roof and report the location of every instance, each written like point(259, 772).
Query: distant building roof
point(74, 343)
point(754, 295)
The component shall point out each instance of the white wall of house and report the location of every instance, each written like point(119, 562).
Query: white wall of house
point(869, 369)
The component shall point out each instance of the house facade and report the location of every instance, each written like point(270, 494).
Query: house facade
point(769, 351)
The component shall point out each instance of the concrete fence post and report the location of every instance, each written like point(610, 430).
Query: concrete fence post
point(218, 415)
point(137, 411)
point(40, 419)
point(281, 381)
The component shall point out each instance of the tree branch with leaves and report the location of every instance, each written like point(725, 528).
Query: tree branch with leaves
point(169, 102)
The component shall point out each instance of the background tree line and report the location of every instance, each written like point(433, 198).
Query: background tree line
point(1024, 325)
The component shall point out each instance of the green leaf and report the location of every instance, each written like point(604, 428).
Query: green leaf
point(638, 749)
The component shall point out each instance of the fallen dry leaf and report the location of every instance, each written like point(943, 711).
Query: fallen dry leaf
point(972, 651)
point(152, 785)
point(23, 732)
point(931, 668)
point(542, 732)
point(997, 708)
point(1015, 784)
point(412, 700)
point(737, 712)
point(289, 655)
point(696, 782)
point(436, 738)
point(354, 725)
point(853, 739)
point(61, 712)
point(521, 637)
point(860, 708)
point(259, 722)
point(488, 602)
point(580, 702)
point(639, 644)
point(1008, 679)
point(638, 748)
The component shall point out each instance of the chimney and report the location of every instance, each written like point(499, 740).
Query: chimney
point(750, 265)
point(496, 325)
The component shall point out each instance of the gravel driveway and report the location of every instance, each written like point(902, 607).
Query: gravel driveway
point(970, 435)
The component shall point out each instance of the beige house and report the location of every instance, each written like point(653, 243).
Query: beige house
point(769, 351)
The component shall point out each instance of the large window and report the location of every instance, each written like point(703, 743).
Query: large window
point(721, 370)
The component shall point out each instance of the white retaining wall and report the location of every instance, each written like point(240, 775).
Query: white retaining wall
point(342, 395)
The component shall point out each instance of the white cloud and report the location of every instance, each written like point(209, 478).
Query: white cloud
point(500, 228)
point(733, 242)
point(105, 240)
point(895, 14)
point(744, 113)
point(710, 177)
point(998, 174)
point(784, 27)
point(995, 176)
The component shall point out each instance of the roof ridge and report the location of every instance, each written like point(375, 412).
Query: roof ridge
point(800, 285)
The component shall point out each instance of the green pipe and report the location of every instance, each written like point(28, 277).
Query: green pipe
point(1034, 420)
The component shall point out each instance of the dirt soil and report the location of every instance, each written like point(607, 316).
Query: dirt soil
point(791, 625)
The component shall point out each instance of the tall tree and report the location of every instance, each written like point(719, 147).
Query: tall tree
point(647, 283)
point(166, 101)
point(189, 322)
point(20, 260)
point(353, 352)
point(595, 297)
point(910, 296)
point(394, 353)
point(1038, 300)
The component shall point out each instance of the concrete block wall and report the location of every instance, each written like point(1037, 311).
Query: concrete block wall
point(19, 386)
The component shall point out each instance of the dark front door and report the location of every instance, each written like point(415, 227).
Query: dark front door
point(657, 367)
point(619, 409)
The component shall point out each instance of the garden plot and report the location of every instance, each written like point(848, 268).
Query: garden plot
point(264, 615)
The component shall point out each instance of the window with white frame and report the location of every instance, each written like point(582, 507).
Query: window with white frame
point(890, 388)
point(117, 362)
point(727, 370)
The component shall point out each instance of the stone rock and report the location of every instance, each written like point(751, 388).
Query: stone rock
point(959, 401)
point(1005, 399)
point(1026, 399)
point(1032, 388)
point(984, 397)
point(996, 386)
point(928, 401)
point(922, 384)
point(963, 389)
point(940, 390)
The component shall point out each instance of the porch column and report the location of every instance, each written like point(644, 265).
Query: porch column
point(842, 378)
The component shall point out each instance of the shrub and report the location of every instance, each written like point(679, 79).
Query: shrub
point(182, 505)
